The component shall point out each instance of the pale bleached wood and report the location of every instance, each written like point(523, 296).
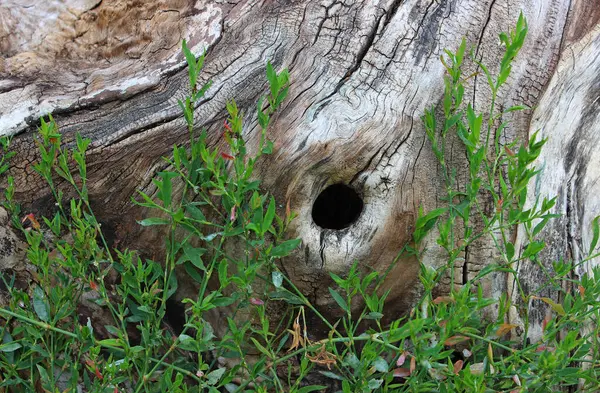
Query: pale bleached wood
point(568, 115)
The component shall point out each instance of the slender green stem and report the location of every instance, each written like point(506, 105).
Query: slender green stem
point(31, 321)
point(489, 341)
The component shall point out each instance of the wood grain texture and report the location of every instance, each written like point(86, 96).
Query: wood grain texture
point(361, 73)
point(569, 116)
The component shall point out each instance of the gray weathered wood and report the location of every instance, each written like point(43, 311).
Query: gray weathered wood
point(568, 114)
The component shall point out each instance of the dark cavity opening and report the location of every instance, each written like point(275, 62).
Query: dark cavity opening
point(337, 207)
point(175, 315)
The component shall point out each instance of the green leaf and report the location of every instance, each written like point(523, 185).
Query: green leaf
point(595, 234)
point(313, 388)
point(281, 96)
point(517, 108)
point(261, 348)
point(285, 248)
point(426, 222)
point(503, 76)
point(200, 93)
point(460, 53)
point(263, 118)
point(339, 299)
point(549, 204)
point(558, 308)
point(195, 213)
point(112, 330)
point(375, 383)
point(366, 281)
point(214, 376)
point(287, 297)
point(539, 226)
point(166, 187)
point(223, 301)
point(374, 315)
point(510, 251)
point(255, 201)
point(283, 77)
point(194, 255)
point(268, 147)
point(490, 80)
point(200, 63)
point(137, 349)
point(381, 365)
point(331, 375)
point(111, 342)
point(338, 280)
point(154, 221)
point(191, 61)
point(533, 249)
point(43, 374)
point(232, 232)
point(406, 329)
point(188, 112)
point(40, 305)
point(149, 202)
point(269, 216)
point(191, 270)
point(423, 221)
point(223, 280)
point(172, 285)
point(187, 343)
point(211, 237)
point(189, 57)
point(277, 278)
point(7, 340)
point(208, 332)
point(10, 347)
point(273, 80)
point(353, 361)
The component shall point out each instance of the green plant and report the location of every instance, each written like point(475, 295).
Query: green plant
point(46, 344)
point(500, 175)
point(227, 235)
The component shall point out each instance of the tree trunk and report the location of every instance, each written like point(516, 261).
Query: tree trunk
point(362, 73)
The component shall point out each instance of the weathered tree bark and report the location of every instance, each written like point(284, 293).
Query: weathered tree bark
point(361, 73)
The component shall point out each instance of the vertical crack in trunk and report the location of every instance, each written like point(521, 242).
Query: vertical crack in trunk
point(322, 249)
point(389, 15)
point(572, 225)
point(479, 44)
point(360, 56)
point(355, 177)
point(465, 267)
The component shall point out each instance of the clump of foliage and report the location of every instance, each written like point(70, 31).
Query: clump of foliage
point(208, 198)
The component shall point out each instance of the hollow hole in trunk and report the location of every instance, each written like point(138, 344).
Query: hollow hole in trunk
point(337, 207)
point(175, 315)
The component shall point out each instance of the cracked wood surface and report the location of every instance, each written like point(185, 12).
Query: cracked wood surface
point(361, 73)
point(569, 116)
